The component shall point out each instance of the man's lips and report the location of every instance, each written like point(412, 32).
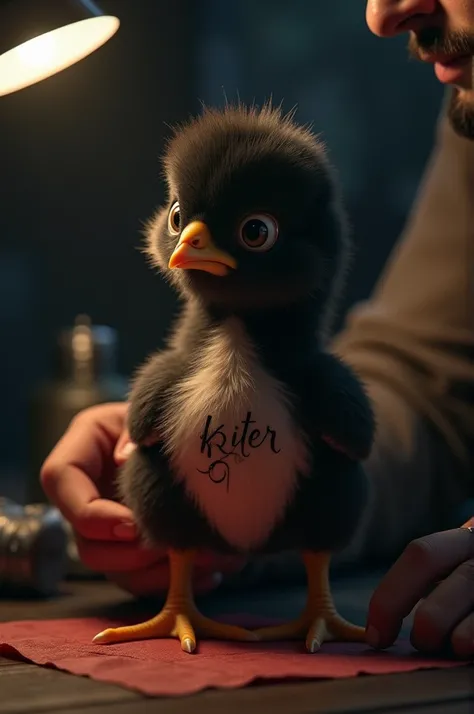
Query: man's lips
point(449, 70)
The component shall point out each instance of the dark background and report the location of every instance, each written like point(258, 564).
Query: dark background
point(79, 160)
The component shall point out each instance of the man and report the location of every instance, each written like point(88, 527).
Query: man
point(412, 343)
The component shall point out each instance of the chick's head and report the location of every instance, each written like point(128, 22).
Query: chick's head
point(254, 217)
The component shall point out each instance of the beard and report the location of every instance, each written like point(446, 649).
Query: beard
point(432, 41)
point(461, 114)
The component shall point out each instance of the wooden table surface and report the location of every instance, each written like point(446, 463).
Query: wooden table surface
point(28, 689)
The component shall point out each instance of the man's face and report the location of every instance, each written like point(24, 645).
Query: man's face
point(440, 32)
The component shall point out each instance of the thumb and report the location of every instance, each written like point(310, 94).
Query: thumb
point(123, 448)
point(102, 519)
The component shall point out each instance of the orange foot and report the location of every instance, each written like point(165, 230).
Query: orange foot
point(315, 626)
point(179, 617)
point(177, 620)
point(319, 621)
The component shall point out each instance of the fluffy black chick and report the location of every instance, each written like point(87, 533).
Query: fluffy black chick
point(250, 433)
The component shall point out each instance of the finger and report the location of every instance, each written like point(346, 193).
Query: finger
point(462, 639)
point(433, 585)
point(78, 499)
point(80, 468)
point(129, 558)
point(124, 448)
point(89, 440)
point(424, 561)
point(104, 520)
point(440, 613)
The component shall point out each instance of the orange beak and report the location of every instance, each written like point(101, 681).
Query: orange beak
point(196, 251)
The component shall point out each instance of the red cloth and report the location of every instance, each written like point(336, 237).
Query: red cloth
point(159, 667)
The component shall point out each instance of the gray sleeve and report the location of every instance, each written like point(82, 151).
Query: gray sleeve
point(417, 481)
point(412, 344)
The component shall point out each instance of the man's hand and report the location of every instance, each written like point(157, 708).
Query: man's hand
point(444, 619)
point(78, 477)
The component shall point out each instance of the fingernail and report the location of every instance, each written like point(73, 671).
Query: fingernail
point(126, 450)
point(127, 531)
point(372, 637)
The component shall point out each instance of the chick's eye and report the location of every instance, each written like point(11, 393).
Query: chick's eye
point(174, 219)
point(258, 232)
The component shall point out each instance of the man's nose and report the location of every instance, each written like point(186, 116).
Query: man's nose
point(387, 18)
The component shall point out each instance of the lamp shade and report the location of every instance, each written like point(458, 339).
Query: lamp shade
point(39, 38)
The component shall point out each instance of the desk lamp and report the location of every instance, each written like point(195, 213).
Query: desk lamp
point(39, 38)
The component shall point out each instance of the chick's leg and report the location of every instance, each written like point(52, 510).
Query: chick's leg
point(319, 621)
point(179, 617)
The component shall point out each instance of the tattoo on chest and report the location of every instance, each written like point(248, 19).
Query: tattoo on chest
point(220, 447)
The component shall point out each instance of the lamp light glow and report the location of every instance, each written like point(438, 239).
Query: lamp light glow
point(50, 52)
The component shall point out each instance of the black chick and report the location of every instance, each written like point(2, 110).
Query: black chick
point(250, 433)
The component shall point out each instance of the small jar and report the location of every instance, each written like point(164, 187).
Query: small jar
point(33, 548)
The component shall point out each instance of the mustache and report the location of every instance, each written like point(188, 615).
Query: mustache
point(435, 41)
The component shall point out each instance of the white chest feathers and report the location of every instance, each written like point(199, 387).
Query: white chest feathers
point(232, 441)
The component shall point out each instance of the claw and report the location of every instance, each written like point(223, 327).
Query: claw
point(320, 621)
point(313, 646)
point(100, 637)
point(188, 645)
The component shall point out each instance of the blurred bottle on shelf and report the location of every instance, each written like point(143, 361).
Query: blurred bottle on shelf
point(33, 549)
point(85, 374)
